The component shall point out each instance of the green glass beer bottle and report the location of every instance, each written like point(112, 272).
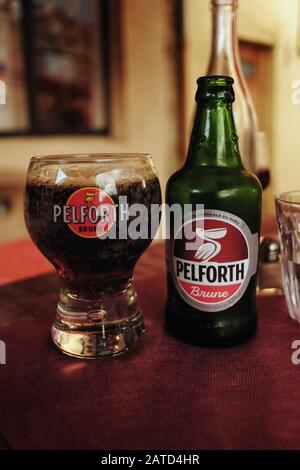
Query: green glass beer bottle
point(213, 247)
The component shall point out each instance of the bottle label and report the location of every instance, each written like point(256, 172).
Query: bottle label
point(214, 255)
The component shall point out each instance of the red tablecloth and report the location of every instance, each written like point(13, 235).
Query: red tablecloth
point(164, 395)
point(21, 259)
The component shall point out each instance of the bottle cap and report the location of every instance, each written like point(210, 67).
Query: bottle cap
point(217, 3)
point(269, 251)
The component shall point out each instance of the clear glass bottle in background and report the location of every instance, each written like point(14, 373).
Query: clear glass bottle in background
point(225, 60)
point(262, 158)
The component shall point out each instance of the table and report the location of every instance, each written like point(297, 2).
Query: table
point(163, 395)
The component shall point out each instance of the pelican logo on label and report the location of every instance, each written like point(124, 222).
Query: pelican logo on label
point(213, 266)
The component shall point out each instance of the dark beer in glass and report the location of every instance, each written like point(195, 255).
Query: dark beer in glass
point(77, 211)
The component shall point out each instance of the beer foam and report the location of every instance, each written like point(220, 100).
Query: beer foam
point(80, 177)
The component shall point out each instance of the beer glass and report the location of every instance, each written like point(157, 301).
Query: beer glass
point(90, 215)
point(288, 220)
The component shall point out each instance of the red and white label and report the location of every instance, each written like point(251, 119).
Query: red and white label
point(89, 212)
point(213, 259)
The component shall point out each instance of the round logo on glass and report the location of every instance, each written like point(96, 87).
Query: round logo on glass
point(90, 212)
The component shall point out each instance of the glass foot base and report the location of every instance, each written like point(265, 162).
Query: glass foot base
point(102, 340)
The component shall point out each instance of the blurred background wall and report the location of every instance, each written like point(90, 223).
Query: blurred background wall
point(157, 49)
point(271, 27)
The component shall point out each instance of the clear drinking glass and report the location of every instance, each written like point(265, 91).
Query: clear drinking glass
point(288, 220)
point(81, 211)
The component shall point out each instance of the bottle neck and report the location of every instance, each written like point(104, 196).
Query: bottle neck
point(224, 59)
point(214, 141)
